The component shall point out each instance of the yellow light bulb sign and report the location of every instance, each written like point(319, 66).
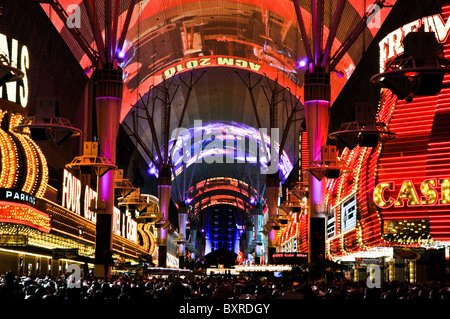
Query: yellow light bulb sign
point(430, 192)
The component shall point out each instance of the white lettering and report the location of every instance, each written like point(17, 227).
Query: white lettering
point(74, 20)
point(73, 281)
point(392, 45)
point(71, 193)
point(11, 88)
point(374, 278)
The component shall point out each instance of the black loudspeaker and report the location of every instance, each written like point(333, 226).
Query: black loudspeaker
point(86, 170)
point(347, 141)
point(420, 44)
point(5, 76)
point(332, 173)
point(369, 140)
point(428, 84)
point(399, 84)
point(38, 134)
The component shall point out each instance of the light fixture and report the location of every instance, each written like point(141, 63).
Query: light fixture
point(302, 63)
point(8, 73)
point(419, 71)
point(329, 166)
point(91, 164)
point(45, 125)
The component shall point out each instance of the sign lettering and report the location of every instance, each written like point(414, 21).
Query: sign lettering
point(73, 200)
point(71, 193)
point(17, 56)
point(392, 46)
point(427, 194)
point(89, 195)
point(208, 61)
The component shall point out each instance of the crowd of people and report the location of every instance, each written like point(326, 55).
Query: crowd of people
point(14, 287)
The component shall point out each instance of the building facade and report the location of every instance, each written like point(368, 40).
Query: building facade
point(393, 208)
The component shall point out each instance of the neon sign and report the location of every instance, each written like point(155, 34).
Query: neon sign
point(428, 196)
point(74, 200)
point(392, 45)
point(71, 193)
point(18, 56)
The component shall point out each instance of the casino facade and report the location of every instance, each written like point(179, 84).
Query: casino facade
point(392, 208)
point(46, 221)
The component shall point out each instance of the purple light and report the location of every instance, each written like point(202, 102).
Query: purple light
point(252, 200)
point(302, 63)
point(188, 200)
point(120, 54)
point(202, 230)
point(152, 170)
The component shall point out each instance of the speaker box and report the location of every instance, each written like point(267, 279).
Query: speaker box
point(429, 84)
point(332, 173)
point(369, 140)
point(399, 84)
point(38, 134)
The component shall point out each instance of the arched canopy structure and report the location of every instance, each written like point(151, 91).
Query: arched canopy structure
point(237, 61)
point(222, 191)
point(171, 38)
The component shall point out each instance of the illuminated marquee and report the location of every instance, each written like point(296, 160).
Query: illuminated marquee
point(429, 194)
point(18, 56)
point(212, 61)
point(17, 196)
point(78, 203)
point(71, 193)
point(392, 45)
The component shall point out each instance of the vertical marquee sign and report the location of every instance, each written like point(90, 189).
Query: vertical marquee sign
point(17, 56)
point(77, 198)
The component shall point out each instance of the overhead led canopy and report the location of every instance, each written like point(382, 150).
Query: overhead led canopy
point(220, 142)
point(261, 31)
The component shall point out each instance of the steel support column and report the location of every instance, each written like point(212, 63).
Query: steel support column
point(317, 94)
point(272, 190)
point(257, 219)
point(108, 102)
point(164, 191)
point(182, 222)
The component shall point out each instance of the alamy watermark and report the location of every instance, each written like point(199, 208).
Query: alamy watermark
point(374, 19)
point(74, 279)
point(374, 277)
point(221, 145)
point(74, 19)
